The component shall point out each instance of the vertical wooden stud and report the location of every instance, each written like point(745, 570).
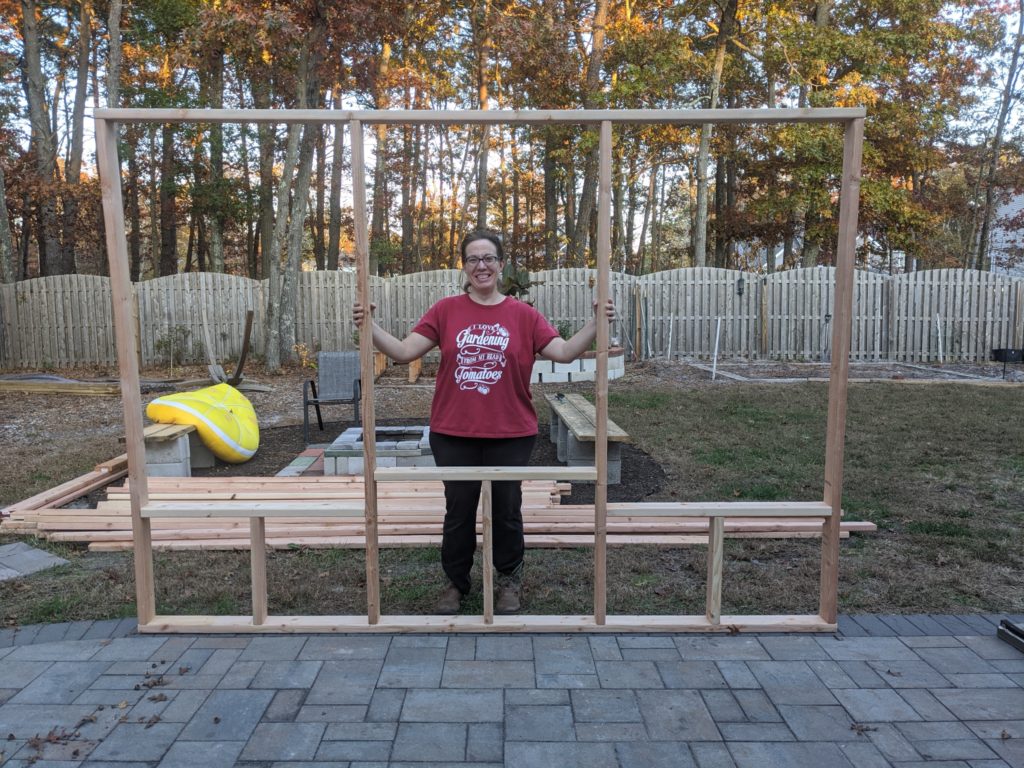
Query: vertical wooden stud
point(716, 535)
point(366, 371)
point(258, 567)
point(128, 364)
point(604, 247)
point(488, 531)
point(837, 385)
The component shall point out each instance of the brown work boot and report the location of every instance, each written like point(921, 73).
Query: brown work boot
point(449, 602)
point(509, 594)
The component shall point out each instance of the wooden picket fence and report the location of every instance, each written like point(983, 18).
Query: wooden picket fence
point(948, 315)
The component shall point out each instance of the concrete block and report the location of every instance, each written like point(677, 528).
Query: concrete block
point(563, 435)
point(415, 461)
point(167, 451)
point(554, 378)
point(408, 445)
point(616, 373)
point(579, 450)
point(583, 376)
point(387, 461)
point(180, 468)
point(572, 367)
point(616, 362)
point(200, 456)
point(553, 426)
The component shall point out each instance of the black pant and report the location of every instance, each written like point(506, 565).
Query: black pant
point(462, 496)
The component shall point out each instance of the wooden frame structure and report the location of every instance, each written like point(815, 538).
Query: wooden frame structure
point(143, 511)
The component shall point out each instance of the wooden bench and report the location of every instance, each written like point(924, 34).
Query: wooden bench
point(574, 431)
point(173, 450)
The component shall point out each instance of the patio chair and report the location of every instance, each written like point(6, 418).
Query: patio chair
point(337, 381)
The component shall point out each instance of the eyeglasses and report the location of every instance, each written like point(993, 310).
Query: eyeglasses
point(472, 261)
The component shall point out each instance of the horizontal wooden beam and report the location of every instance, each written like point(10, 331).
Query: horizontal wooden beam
point(302, 509)
point(478, 117)
point(397, 474)
point(722, 509)
point(518, 623)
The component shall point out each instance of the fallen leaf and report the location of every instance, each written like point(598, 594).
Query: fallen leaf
point(861, 729)
point(123, 705)
point(158, 697)
point(216, 719)
point(1005, 735)
point(183, 670)
point(893, 673)
point(152, 721)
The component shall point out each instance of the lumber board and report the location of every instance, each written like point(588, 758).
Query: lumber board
point(730, 624)
point(724, 509)
point(482, 116)
point(59, 387)
point(533, 541)
point(67, 491)
point(255, 509)
point(393, 474)
point(580, 417)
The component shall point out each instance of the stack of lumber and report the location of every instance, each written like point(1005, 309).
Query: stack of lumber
point(103, 474)
point(409, 514)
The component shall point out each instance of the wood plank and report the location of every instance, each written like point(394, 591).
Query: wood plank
point(254, 509)
point(835, 434)
point(723, 509)
point(713, 606)
point(731, 624)
point(258, 565)
point(128, 367)
point(393, 474)
point(482, 117)
point(488, 551)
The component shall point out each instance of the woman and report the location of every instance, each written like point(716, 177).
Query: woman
point(482, 413)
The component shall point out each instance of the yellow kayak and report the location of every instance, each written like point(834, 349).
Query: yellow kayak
point(223, 417)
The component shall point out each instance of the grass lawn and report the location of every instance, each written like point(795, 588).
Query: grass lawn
point(939, 468)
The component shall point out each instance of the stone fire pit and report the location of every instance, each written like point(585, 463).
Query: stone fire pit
point(396, 447)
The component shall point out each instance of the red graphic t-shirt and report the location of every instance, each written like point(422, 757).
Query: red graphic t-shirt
point(487, 353)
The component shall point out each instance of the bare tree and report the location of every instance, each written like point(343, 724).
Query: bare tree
point(984, 258)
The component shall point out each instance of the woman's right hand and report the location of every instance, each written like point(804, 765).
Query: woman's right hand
point(359, 313)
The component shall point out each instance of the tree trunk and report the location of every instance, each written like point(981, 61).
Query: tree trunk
point(337, 159)
point(134, 215)
point(379, 213)
point(811, 247)
point(984, 258)
point(216, 230)
point(42, 140)
point(648, 212)
point(168, 205)
point(550, 199)
point(319, 234)
point(266, 137)
point(8, 262)
point(700, 235)
point(73, 167)
point(719, 226)
point(114, 54)
point(592, 90)
point(482, 35)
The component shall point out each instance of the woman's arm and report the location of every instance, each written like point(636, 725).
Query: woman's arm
point(566, 350)
point(412, 347)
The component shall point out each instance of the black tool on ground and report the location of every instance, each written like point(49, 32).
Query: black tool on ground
point(1011, 633)
point(1006, 355)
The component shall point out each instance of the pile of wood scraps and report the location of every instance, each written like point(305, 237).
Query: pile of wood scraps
point(409, 515)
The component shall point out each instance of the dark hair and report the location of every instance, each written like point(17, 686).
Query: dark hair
point(483, 234)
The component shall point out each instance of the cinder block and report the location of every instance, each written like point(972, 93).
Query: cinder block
point(167, 451)
point(387, 461)
point(572, 367)
point(170, 469)
point(331, 465)
point(618, 362)
point(554, 378)
point(355, 467)
point(614, 474)
point(563, 433)
point(424, 460)
point(408, 445)
point(200, 456)
point(553, 427)
point(579, 450)
point(584, 376)
point(616, 373)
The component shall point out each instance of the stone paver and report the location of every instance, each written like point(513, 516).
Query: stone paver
point(900, 691)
